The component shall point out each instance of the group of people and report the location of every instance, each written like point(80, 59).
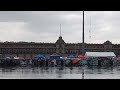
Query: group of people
point(9, 62)
point(101, 61)
point(47, 63)
point(52, 63)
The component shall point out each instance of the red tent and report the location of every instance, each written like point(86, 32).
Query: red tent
point(81, 56)
point(74, 60)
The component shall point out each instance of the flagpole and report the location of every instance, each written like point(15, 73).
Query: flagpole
point(83, 36)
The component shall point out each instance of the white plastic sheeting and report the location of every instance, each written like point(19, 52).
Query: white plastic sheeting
point(100, 54)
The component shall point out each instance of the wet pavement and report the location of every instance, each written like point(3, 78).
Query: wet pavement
point(60, 73)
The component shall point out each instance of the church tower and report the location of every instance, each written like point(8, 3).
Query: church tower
point(60, 44)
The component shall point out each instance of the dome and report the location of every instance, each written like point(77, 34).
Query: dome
point(107, 42)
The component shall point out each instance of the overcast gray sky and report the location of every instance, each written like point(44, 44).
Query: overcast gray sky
point(44, 26)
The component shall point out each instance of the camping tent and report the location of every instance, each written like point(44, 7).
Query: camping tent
point(39, 57)
point(100, 54)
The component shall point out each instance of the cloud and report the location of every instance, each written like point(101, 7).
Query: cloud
point(44, 26)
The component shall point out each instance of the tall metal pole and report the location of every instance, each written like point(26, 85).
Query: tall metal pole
point(83, 36)
point(60, 30)
point(82, 73)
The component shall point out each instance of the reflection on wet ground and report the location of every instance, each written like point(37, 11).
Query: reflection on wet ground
point(60, 73)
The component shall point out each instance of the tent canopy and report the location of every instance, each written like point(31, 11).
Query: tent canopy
point(16, 57)
point(71, 56)
point(100, 54)
point(54, 56)
point(39, 56)
point(8, 58)
point(80, 56)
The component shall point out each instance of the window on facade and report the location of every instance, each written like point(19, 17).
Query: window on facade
point(22, 51)
point(30, 51)
point(43, 51)
point(10, 51)
point(66, 51)
point(19, 50)
point(39, 51)
point(60, 51)
point(47, 51)
point(73, 52)
point(36, 51)
point(51, 51)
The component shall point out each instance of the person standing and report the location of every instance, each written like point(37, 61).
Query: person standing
point(62, 62)
point(46, 62)
point(111, 61)
point(99, 62)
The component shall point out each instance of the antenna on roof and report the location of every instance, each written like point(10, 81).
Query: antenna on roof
point(60, 30)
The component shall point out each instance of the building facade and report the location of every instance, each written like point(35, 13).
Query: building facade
point(30, 49)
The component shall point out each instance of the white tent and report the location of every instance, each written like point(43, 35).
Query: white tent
point(16, 57)
point(100, 54)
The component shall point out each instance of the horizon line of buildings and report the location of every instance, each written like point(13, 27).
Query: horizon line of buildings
point(30, 49)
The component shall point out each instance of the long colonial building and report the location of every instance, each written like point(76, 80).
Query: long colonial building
point(30, 49)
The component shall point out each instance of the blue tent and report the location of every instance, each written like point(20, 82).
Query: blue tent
point(71, 56)
point(54, 56)
point(39, 57)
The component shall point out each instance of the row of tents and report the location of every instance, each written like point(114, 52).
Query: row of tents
point(92, 57)
point(86, 56)
point(58, 57)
